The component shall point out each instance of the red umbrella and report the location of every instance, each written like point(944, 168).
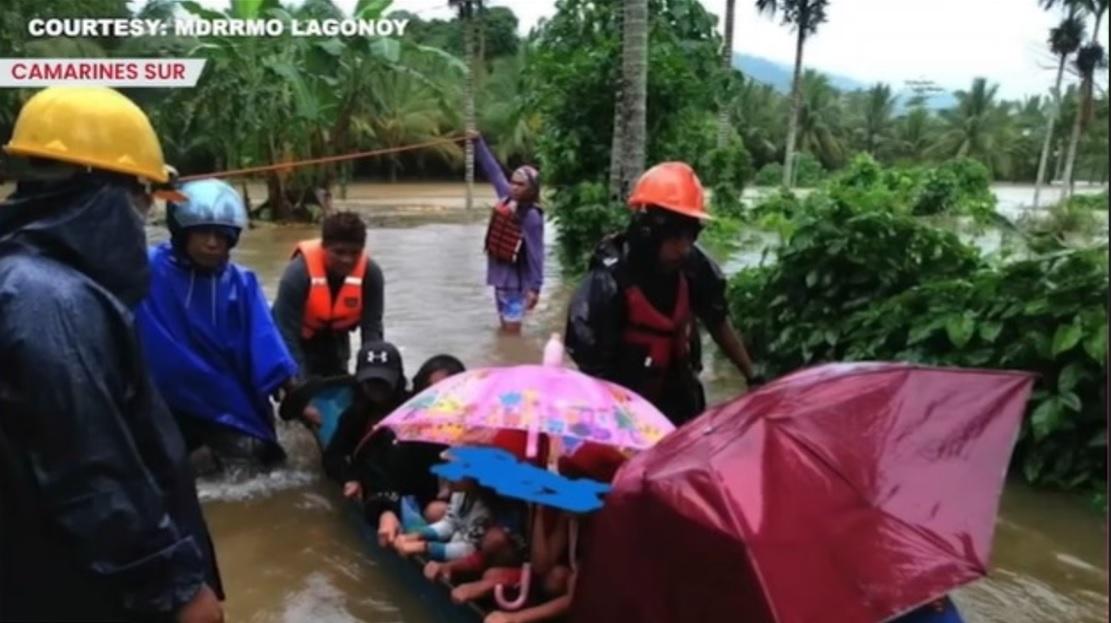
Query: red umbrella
point(848, 492)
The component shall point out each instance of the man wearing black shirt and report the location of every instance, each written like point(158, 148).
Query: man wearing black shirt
point(633, 320)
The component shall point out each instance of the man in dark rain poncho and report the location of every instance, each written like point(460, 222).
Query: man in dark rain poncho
point(633, 319)
point(99, 517)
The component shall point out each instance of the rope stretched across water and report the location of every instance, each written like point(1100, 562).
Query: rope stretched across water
point(324, 160)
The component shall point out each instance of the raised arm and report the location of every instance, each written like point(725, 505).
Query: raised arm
point(490, 167)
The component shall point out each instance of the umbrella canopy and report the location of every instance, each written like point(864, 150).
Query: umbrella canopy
point(554, 400)
point(863, 490)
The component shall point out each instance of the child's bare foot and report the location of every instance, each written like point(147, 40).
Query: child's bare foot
point(388, 528)
point(469, 592)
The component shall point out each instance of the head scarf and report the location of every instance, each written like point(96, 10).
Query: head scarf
point(532, 176)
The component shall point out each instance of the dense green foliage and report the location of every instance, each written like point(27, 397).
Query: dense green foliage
point(571, 73)
point(575, 65)
point(858, 279)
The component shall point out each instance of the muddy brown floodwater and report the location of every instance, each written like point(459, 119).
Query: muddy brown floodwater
point(288, 551)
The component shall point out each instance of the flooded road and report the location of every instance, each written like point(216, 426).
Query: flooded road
point(289, 552)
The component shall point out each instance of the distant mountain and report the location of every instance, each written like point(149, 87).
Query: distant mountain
point(779, 76)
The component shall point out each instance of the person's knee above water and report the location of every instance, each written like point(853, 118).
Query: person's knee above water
point(514, 240)
point(210, 343)
point(633, 318)
point(330, 288)
point(100, 514)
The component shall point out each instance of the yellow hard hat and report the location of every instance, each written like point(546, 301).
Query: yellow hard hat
point(91, 126)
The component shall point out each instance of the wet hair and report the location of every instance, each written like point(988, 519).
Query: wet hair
point(651, 227)
point(343, 227)
point(439, 363)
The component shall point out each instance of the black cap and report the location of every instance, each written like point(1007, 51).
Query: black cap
point(379, 360)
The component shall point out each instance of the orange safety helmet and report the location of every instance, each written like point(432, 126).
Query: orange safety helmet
point(672, 186)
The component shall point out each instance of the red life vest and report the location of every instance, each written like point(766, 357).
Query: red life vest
point(321, 311)
point(504, 238)
point(666, 339)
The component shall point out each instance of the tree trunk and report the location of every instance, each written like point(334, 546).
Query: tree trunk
point(727, 66)
point(1059, 154)
point(1044, 159)
point(635, 68)
point(1084, 103)
point(1074, 140)
point(620, 116)
point(796, 105)
point(467, 14)
point(480, 77)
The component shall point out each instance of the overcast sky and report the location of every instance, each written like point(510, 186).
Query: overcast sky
point(947, 41)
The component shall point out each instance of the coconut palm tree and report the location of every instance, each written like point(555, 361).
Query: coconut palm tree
point(631, 109)
point(819, 119)
point(978, 127)
point(467, 10)
point(875, 117)
point(804, 16)
point(506, 111)
point(727, 67)
point(1088, 59)
point(1064, 40)
point(760, 107)
point(914, 134)
point(400, 109)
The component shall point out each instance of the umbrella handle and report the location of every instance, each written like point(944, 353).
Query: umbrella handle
point(522, 596)
point(553, 357)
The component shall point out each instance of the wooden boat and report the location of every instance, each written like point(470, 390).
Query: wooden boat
point(331, 397)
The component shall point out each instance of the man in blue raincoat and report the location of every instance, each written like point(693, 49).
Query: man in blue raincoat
point(210, 343)
point(99, 517)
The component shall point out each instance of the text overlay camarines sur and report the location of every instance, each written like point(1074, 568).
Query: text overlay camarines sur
point(99, 27)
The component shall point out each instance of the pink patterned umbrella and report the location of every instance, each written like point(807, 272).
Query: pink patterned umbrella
point(566, 405)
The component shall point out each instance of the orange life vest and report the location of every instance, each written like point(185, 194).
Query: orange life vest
point(504, 238)
point(321, 311)
point(666, 339)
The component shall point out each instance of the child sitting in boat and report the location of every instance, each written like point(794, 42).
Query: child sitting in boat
point(504, 543)
point(554, 548)
point(459, 533)
point(391, 477)
point(382, 388)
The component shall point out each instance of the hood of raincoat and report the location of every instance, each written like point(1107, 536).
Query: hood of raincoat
point(87, 223)
point(210, 343)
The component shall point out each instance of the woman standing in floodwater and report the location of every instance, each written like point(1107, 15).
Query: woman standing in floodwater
point(514, 239)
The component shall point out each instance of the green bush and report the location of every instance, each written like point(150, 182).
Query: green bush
point(854, 284)
point(728, 167)
point(1090, 202)
point(1063, 222)
point(961, 186)
point(584, 215)
point(770, 174)
point(808, 171)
